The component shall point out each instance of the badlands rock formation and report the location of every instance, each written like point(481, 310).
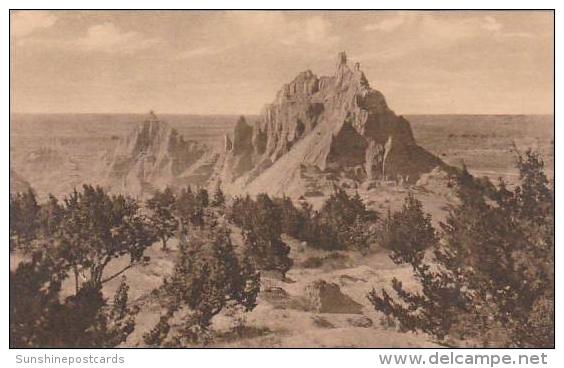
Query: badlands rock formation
point(320, 131)
point(153, 156)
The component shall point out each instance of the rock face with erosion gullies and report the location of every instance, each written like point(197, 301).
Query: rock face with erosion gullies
point(318, 131)
point(155, 155)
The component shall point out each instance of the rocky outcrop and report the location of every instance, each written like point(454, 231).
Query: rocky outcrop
point(324, 297)
point(337, 126)
point(242, 137)
point(153, 156)
point(227, 144)
point(318, 132)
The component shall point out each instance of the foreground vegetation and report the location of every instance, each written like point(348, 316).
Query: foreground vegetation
point(486, 277)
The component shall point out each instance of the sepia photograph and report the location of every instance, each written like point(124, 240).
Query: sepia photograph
point(281, 179)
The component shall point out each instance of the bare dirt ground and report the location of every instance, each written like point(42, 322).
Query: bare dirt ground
point(281, 319)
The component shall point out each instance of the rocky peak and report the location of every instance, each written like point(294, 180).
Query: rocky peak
point(149, 135)
point(242, 136)
point(304, 85)
point(336, 124)
point(152, 155)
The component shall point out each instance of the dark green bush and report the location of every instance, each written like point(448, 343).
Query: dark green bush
point(491, 277)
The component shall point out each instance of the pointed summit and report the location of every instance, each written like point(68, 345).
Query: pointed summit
point(320, 128)
point(242, 136)
point(153, 155)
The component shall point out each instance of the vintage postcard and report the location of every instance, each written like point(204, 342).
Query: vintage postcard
point(277, 179)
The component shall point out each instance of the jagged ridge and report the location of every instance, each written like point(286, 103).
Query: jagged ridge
point(319, 129)
point(317, 132)
point(153, 156)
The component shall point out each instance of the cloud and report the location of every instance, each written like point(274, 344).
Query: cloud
point(438, 31)
point(391, 24)
point(201, 51)
point(278, 27)
point(440, 26)
point(106, 37)
point(444, 31)
point(25, 22)
point(487, 26)
point(315, 30)
point(493, 25)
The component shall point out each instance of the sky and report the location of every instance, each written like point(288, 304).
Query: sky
point(234, 62)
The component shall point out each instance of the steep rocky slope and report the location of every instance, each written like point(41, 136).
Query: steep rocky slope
point(153, 156)
point(321, 131)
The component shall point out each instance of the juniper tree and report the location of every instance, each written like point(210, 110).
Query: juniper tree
point(262, 231)
point(24, 217)
point(335, 222)
point(202, 198)
point(241, 211)
point(40, 317)
point(161, 214)
point(408, 233)
point(208, 277)
point(218, 199)
point(185, 205)
point(269, 254)
point(50, 217)
point(120, 316)
point(97, 228)
point(34, 290)
point(491, 278)
point(191, 208)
